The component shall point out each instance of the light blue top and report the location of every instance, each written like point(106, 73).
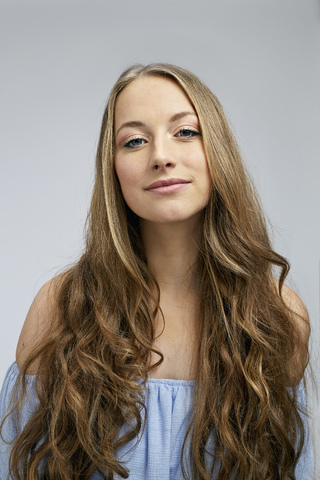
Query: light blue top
point(157, 455)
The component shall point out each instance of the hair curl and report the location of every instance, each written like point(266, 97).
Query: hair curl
point(95, 362)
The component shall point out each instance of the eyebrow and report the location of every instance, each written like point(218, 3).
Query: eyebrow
point(137, 123)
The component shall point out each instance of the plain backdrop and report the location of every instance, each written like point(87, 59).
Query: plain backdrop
point(59, 60)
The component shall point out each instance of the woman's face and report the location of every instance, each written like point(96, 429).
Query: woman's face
point(159, 156)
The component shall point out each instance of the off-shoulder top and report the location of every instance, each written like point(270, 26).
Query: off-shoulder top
point(157, 455)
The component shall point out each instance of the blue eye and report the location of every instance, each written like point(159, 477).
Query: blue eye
point(187, 133)
point(134, 143)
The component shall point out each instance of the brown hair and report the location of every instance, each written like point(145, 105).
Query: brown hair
point(89, 383)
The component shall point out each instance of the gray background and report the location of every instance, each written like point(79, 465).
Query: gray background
point(59, 60)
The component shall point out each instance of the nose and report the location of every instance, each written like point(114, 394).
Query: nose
point(162, 155)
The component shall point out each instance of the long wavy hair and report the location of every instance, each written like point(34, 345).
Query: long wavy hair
point(96, 359)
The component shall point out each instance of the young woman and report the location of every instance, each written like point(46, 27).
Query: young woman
point(171, 349)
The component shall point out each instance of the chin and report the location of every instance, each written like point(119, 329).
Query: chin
point(176, 218)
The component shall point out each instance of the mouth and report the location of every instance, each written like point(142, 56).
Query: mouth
point(169, 185)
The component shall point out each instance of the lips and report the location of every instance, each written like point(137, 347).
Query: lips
point(166, 183)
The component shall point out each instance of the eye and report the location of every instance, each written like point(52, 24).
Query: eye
point(187, 133)
point(134, 143)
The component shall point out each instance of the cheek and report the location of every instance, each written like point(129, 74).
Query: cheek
point(128, 179)
point(200, 165)
point(206, 176)
point(123, 174)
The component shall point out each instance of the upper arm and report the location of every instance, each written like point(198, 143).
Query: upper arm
point(38, 323)
point(301, 325)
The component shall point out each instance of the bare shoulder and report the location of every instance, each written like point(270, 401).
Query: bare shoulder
point(38, 322)
point(301, 324)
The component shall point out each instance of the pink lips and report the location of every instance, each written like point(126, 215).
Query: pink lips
point(167, 186)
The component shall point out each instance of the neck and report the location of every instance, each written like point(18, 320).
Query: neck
point(172, 253)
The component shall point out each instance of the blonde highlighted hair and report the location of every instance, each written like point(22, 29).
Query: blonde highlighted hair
point(96, 361)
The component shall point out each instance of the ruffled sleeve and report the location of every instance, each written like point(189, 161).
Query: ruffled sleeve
point(157, 454)
point(11, 428)
point(305, 466)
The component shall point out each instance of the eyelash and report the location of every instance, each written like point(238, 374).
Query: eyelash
point(194, 134)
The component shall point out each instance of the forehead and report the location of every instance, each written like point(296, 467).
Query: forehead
point(152, 96)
